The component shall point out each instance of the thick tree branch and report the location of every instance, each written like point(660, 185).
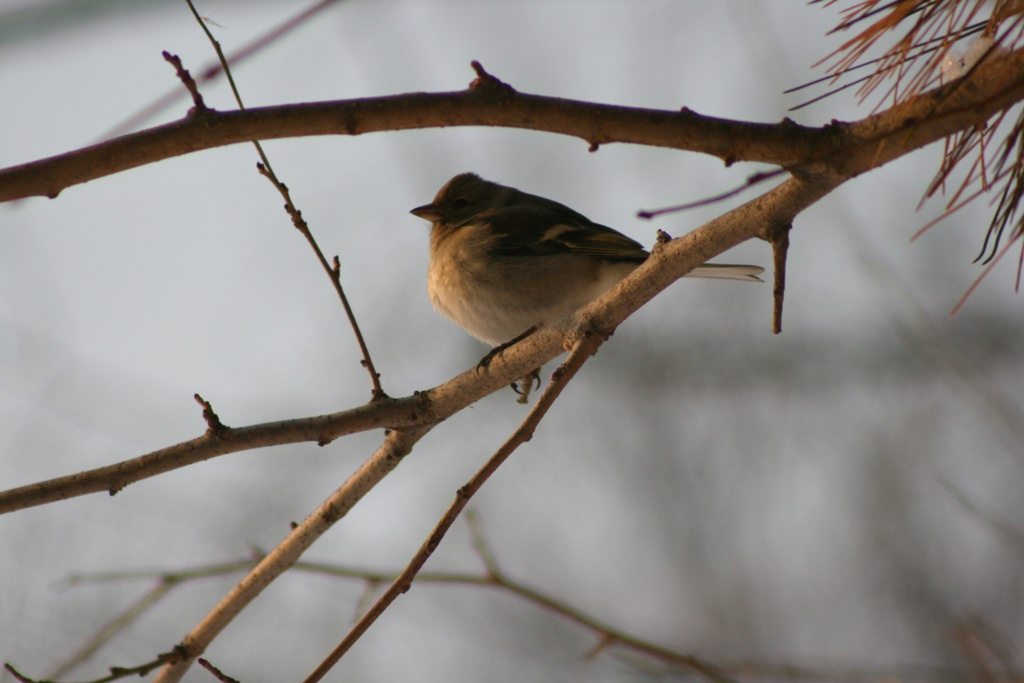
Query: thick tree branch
point(836, 148)
point(597, 124)
point(425, 408)
point(321, 429)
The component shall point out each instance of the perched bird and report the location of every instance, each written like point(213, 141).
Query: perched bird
point(504, 263)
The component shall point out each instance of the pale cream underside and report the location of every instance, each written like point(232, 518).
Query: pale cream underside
point(496, 300)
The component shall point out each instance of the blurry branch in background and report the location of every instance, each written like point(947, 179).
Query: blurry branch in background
point(333, 270)
point(166, 582)
point(213, 70)
point(116, 672)
point(493, 577)
point(1013, 536)
point(988, 654)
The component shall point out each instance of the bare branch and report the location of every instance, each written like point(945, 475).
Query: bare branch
point(750, 182)
point(481, 106)
point(333, 271)
point(116, 672)
point(321, 429)
point(186, 79)
point(267, 171)
point(214, 69)
point(584, 349)
point(396, 445)
point(217, 673)
point(495, 578)
point(819, 159)
point(996, 84)
point(213, 423)
point(668, 262)
point(779, 239)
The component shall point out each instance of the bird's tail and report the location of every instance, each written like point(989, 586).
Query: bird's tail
point(728, 271)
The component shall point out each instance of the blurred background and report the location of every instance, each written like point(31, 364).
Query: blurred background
point(845, 496)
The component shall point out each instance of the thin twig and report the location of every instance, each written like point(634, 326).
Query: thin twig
point(780, 250)
point(213, 423)
point(298, 221)
point(186, 79)
point(1013, 535)
point(165, 583)
point(214, 69)
point(217, 673)
point(118, 624)
point(483, 551)
point(116, 672)
point(585, 347)
point(750, 182)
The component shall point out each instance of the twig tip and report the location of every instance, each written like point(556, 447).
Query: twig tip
point(486, 81)
point(199, 106)
point(213, 423)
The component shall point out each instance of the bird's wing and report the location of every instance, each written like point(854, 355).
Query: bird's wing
point(529, 230)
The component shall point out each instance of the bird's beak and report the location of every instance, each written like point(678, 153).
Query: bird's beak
point(428, 212)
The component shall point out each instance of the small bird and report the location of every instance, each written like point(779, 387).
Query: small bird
point(504, 263)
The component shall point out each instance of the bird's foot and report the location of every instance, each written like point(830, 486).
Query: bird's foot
point(524, 386)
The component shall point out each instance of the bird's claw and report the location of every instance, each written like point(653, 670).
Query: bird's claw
point(527, 382)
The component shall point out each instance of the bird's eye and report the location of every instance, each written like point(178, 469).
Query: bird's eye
point(460, 203)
